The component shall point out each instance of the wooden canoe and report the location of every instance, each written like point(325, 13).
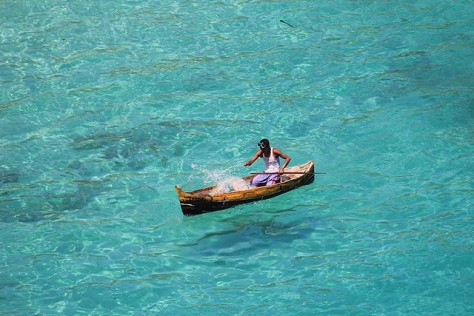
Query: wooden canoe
point(201, 201)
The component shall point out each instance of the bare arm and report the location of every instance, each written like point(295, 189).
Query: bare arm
point(284, 156)
point(252, 160)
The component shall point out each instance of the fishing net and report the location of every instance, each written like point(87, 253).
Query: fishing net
point(230, 185)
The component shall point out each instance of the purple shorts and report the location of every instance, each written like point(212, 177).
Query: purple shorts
point(265, 179)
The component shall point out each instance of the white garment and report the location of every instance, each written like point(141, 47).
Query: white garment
point(272, 163)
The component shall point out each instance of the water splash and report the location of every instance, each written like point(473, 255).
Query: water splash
point(216, 175)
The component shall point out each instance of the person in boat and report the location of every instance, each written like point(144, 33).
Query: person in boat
point(271, 158)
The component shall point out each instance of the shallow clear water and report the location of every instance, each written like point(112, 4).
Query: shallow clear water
point(106, 105)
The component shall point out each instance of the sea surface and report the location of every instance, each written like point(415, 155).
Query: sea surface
point(106, 105)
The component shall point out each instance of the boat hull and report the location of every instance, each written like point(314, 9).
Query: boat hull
point(201, 201)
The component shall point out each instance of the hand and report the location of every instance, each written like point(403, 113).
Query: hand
point(247, 163)
point(281, 171)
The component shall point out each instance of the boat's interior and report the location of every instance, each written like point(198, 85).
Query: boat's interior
point(220, 188)
point(286, 177)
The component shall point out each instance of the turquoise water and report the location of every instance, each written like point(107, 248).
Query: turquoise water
point(105, 106)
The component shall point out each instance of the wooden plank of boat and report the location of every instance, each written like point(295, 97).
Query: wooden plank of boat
point(201, 201)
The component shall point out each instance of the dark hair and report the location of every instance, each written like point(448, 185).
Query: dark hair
point(264, 143)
